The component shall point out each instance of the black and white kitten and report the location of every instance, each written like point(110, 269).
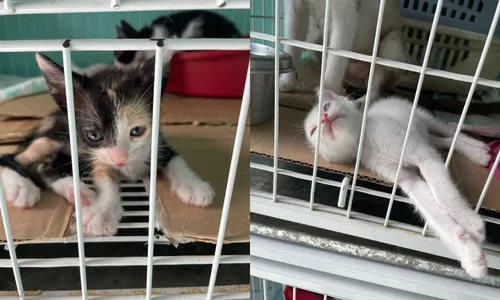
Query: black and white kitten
point(185, 25)
point(113, 111)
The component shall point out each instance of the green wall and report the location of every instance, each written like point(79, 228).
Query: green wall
point(79, 26)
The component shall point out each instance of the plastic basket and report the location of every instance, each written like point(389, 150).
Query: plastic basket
point(470, 15)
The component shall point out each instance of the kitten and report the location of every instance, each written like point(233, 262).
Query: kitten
point(113, 127)
point(352, 27)
point(185, 25)
point(423, 176)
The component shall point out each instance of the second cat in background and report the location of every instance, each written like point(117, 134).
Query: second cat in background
point(189, 24)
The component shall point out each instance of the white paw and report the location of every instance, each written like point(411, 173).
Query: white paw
point(481, 156)
point(288, 81)
point(474, 260)
point(99, 219)
point(186, 183)
point(20, 191)
point(474, 225)
point(196, 193)
point(65, 188)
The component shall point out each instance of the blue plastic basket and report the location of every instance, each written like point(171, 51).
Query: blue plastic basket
point(470, 15)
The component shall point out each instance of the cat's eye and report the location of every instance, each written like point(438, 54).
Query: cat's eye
point(326, 106)
point(137, 131)
point(94, 136)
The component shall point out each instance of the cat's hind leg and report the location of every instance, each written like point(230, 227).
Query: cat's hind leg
point(455, 236)
point(296, 23)
point(446, 193)
point(442, 137)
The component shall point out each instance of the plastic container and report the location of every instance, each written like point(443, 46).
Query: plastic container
point(470, 15)
point(213, 74)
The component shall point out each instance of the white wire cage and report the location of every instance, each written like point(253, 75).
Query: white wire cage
point(271, 196)
point(143, 193)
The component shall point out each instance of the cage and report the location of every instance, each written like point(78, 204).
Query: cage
point(205, 254)
point(339, 230)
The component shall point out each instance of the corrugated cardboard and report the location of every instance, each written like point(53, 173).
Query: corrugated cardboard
point(471, 178)
point(292, 147)
point(207, 148)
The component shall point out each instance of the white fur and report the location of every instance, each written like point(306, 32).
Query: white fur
point(352, 27)
point(187, 184)
point(18, 190)
point(102, 217)
point(432, 190)
point(64, 187)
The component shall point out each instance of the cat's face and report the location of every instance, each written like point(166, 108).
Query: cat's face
point(340, 127)
point(132, 59)
point(113, 110)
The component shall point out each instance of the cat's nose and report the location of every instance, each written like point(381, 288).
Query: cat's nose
point(118, 157)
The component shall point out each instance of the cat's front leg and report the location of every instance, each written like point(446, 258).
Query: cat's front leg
point(296, 20)
point(19, 190)
point(344, 22)
point(187, 184)
point(102, 216)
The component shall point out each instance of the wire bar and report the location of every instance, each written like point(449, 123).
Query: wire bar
point(155, 131)
point(380, 61)
point(126, 261)
point(238, 141)
point(82, 6)
point(367, 104)
point(276, 95)
point(479, 68)
point(320, 112)
point(8, 6)
point(491, 175)
point(115, 4)
point(10, 242)
point(122, 44)
point(68, 81)
point(425, 62)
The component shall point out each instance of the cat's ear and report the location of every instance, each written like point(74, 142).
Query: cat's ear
point(147, 71)
point(126, 30)
point(54, 75)
point(328, 95)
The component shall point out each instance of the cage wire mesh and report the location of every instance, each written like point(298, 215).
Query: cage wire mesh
point(138, 224)
point(284, 190)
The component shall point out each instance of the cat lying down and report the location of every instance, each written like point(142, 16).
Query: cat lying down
point(423, 176)
point(113, 110)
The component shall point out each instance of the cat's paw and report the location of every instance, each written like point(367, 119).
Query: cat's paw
point(19, 190)
point(474, 225)
point(473, 260)
point(288, 82)
point(101, 219)
point(196, 193)
point(481, 156)
point(65, 188)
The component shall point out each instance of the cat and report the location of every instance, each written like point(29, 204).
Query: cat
point(113, 111)
point(189, 24)
point(352, 27)
point(423, 176)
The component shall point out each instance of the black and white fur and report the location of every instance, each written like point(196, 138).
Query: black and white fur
point(185, 25)
point(113, 110)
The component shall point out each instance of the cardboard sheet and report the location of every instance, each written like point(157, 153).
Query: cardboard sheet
point(181, 110)
point(292, 147)
point(471, 179)
point(208, 150)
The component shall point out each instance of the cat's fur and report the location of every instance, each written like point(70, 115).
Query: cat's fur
point(113, 111)
point(352, 27)
point(423, 175)
point(189, 24)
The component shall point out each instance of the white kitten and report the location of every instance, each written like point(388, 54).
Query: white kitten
point(423, 175)
point(352, 27)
